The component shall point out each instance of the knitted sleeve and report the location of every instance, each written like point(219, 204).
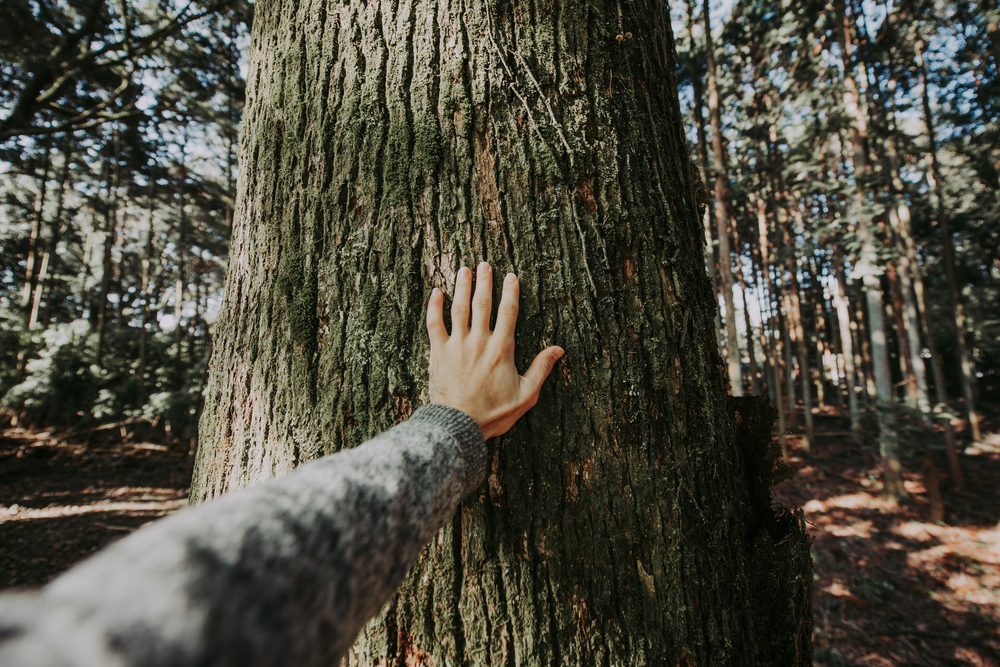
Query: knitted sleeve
point(283, 573)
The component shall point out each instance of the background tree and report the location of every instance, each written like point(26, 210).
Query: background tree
point(98, 221)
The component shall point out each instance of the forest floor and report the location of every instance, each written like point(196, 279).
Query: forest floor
point(890, 586)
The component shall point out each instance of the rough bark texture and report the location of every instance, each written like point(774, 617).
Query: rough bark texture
point(627, 518)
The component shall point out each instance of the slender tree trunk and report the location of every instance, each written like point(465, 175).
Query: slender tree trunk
point(911, 319)
point(819, 327)
point(383, 147)
point(892, 471)
point(110, 239)
point(720, 166)
point(847, 342)
point(712, 251)
point(954, 296)
point(794, 310)
point(39, 286)
point(907, 372)
point(940, 390)
point(797, 331)
point(107, 271)
point(179, 337)
point(775, 342)
point(181, 278)
point(864, 360)
point(144, 293)
point(754, 379)
point(37, 222)
point(55, 234)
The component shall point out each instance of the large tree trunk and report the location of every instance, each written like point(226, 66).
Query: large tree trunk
point(625, 520)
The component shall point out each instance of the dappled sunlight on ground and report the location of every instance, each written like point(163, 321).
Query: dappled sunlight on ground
point(62, 497)
point(891, 587)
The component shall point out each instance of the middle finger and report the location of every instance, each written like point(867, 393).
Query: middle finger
point(482, 302)
point(460, 304)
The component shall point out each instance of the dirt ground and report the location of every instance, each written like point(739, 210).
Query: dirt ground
point(891, 587)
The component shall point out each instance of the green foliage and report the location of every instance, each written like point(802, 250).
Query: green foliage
point(60, 384)
point(132, 222)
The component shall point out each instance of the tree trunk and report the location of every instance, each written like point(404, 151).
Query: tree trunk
point(771, 343)
point(383, 147)
point(711, 254)
point(846, 341)
point(144, 293)
point(39, 286)
point(954, 297)
point(892, 471)
point(906, 370)
point(720, 167)
point(107, 266)
point(37, 219)
point(55, 233)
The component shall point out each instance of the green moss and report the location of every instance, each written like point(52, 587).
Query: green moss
point(427, 144)
point(302, 298)
point(303, 316)
point(396, 170)
point(292, 274)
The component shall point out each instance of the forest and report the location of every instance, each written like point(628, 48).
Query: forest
point(846, 164)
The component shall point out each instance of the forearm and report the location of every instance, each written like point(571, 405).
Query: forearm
point(286, 572)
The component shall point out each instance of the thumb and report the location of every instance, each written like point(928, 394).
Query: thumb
point(541, 367)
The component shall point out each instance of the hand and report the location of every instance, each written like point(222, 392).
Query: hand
point(473, 368)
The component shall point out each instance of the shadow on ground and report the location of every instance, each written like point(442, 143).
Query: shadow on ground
point(62, 500)
point(890, 586)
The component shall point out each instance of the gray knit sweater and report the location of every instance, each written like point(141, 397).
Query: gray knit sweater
point(282, 573)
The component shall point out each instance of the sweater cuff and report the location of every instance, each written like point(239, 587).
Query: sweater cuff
point(465, 430)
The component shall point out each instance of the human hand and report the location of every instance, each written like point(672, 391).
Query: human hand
point(473, 368)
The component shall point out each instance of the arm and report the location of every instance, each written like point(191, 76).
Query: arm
point(288, 571)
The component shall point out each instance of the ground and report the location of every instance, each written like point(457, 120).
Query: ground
point(891, 587)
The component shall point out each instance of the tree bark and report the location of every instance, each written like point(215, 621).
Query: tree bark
point(624, 521)
point(110, 240)
point(892, 471)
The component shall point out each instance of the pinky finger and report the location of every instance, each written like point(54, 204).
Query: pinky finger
point(435, 319)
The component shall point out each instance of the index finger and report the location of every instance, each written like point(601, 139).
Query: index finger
point(435, 319)
point(507, 312)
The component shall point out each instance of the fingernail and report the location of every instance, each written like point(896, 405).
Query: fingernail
point(558, 353)
point(483, 267)
point(435, 291)
point(511, 277)
point(464, 272)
